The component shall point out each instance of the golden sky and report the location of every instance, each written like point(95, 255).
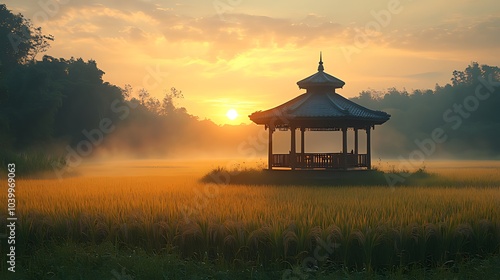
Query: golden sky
point(249, 54)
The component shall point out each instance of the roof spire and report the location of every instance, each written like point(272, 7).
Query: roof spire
point(320, 67)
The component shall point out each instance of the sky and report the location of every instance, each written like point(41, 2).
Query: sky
point(248, 55)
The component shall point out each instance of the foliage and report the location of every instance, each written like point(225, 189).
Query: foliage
point(31, 162)
point(56, 98)
point(255, 176)
point(21, 41)
point(470, 124)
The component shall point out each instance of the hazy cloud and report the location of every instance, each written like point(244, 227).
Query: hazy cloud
point(135, 21)
point(472, 35)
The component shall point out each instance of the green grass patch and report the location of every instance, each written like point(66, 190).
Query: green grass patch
point(253, 176)
point(30, 162)
point(361, 177)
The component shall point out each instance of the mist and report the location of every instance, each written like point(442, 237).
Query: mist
point(454, 121)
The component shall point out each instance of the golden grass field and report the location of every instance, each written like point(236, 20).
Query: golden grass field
point(162, 206)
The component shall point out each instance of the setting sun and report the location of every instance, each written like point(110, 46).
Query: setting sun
point(232, 114)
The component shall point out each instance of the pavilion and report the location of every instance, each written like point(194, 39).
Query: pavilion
point(320, 108)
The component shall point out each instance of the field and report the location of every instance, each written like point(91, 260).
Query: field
point(160, 214)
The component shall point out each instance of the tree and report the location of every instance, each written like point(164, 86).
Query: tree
point(34, 99)
point(24, 89)
point(168, 104)
point(143, 96)
point(473, 72)
point(153, 105)
point(127, 91)
point(466, 111)
point(87, 99)
point(24, 41)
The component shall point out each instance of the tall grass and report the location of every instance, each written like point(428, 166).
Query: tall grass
point(30, 162)
point(373, 228)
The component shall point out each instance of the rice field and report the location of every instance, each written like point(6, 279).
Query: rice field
point(170, 211)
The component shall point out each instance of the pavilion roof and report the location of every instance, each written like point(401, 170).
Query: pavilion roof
point(321, 79)
point(325, 107)
point(320, 107)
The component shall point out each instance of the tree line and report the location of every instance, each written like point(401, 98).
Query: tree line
point(464, 111)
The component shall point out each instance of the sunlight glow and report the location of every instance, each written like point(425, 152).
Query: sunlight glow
point(232, 114)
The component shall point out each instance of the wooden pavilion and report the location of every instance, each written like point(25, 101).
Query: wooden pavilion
point(320, 108)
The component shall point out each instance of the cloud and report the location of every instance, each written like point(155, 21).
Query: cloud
point(471, 35)
point(156, 28)
point(239, 33)
point(135, 33)
point(426, 75)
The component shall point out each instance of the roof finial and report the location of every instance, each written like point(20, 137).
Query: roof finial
point(320, 67)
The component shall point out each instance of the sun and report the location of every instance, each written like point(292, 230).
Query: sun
point(232, 114)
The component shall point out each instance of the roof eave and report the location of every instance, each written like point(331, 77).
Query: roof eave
point(320, 86)
point(317, 121)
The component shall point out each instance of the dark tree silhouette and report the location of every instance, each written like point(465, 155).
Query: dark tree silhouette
point(21, 41)
point(472, 125)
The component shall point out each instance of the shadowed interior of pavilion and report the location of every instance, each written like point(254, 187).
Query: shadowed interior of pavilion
point(320, 108)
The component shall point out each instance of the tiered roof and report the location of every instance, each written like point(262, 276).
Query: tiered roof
point(320, 107)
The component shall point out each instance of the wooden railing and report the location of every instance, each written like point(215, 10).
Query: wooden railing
point(321, 160)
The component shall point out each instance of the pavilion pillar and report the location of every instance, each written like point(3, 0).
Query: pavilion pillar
point(293, 153)
point(270, 160)
point(356, 147)
point(356, 142)
point(344, 147)
point(368, 148)
point(302, 147)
